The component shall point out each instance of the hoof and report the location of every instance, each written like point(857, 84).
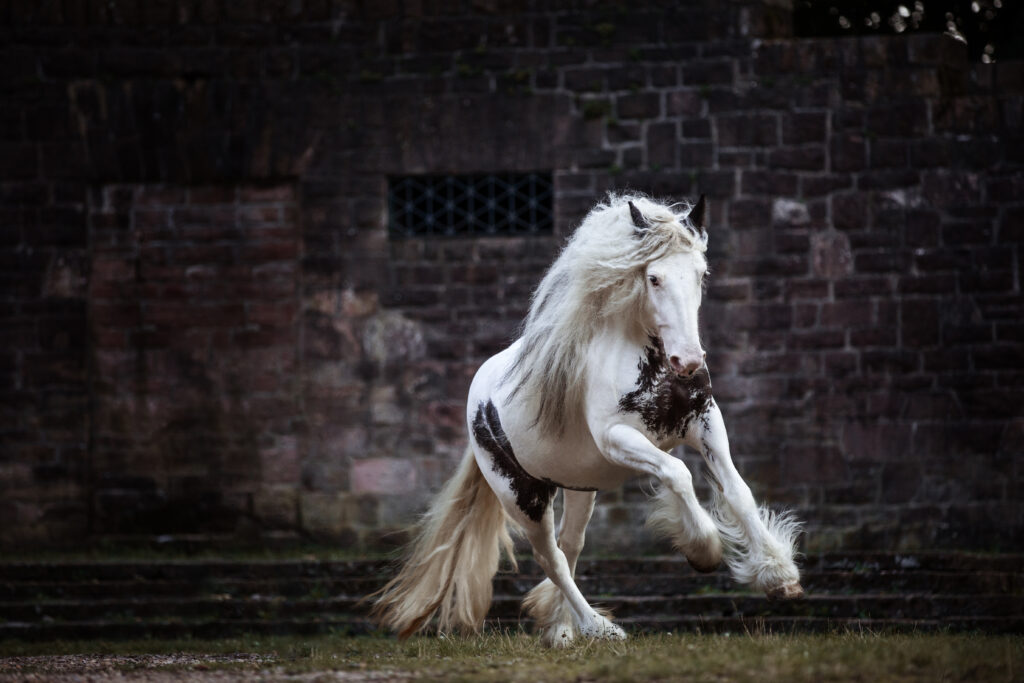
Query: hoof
point(703, 567)
point(705, 556)
point(789, 591)
point(558, 637)
point(613, 633)
point(604, 630)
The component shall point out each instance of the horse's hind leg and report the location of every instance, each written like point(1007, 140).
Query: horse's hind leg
point(541, 534)
point(546, 603)
point(539, 527)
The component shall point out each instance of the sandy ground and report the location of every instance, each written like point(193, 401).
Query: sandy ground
point(158, 668)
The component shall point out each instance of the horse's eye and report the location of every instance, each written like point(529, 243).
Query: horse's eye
point(654, 280)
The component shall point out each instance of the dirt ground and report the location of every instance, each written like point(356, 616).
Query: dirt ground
point(513, 657)
point(168, 667)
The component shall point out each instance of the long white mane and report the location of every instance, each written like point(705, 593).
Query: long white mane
point(598, 276)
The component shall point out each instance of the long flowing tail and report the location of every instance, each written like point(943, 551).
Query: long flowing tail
point(452, 560)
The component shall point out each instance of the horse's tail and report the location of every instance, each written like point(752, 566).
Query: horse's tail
point(452, 560)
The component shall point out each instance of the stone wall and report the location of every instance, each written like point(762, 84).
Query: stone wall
point(206, 328)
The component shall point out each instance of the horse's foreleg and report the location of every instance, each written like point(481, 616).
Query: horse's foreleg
point(555, 564)
point(677, 511)
point(545, 602)
point(762, 543)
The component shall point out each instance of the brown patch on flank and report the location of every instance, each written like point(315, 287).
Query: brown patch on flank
point(532, 495)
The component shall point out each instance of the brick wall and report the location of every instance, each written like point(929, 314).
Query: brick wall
point(206, 328)
point(193, 312)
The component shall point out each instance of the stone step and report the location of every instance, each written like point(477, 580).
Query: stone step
point(191, 570)
point(217, 598)
point(591, 584)
point(188, 570)
point(909, 606)
point(739, 624)
point(344, 625)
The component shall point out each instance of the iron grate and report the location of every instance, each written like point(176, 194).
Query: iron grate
point(497, 204)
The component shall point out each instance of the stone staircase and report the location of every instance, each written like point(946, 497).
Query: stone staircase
point(219, 598)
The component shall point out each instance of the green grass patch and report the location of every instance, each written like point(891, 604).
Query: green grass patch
point(516, 656)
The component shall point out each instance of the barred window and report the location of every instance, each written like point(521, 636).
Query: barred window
point(470, 205)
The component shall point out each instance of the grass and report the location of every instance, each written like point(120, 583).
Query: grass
point(515, 656)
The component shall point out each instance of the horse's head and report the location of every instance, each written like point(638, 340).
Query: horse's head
point(675, 284)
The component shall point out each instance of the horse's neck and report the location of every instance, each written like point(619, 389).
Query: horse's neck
point(617, 349)
point(632, 336)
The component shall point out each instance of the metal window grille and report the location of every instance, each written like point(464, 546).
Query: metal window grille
point(470, 205)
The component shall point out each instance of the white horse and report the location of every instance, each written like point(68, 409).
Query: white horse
point(607, 377)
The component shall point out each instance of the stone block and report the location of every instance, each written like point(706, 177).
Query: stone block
point(848, 153)
point(831, 256)
point(900, 480)
point(772, 183)
point(1011, 228)
point(697, 128)
point(276, 507)
point(588, 79)
point(750, 213)
point(946, 188)
point(390, 338)
point(805, 158)
point(644, 105)
point(631, 77)
point(685, 102)
point(661, 145)
point(384, 476)
point(322, 514)
point(788, 212)
point(847, 314)
point(759, 316)
point(708, 72)
point(280, 461)
point(747, 130)
point(801, 128)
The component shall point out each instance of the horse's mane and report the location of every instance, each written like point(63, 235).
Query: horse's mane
point(599, 275)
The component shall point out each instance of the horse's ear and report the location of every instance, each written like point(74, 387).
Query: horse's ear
point(699, 215)
point(640, 224)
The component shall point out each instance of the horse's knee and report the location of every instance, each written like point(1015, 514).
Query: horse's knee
point(678, 478)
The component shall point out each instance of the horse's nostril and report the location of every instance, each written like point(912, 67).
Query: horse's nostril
point(684, 369)
point(691, 368)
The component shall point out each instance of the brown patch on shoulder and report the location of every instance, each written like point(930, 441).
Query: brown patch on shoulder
point(665, 402)
point(532, 495)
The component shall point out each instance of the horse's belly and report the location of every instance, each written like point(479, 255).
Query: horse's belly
point(572, 463)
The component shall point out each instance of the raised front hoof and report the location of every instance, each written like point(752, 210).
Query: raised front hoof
point(704, 567)
point(789, 591)
point(706, 555)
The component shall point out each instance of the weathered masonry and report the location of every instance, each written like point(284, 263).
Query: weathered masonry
point(207, 326)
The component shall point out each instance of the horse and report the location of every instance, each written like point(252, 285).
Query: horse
point(606, 377)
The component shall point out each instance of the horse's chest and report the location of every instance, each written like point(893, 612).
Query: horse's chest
point(666, 403)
